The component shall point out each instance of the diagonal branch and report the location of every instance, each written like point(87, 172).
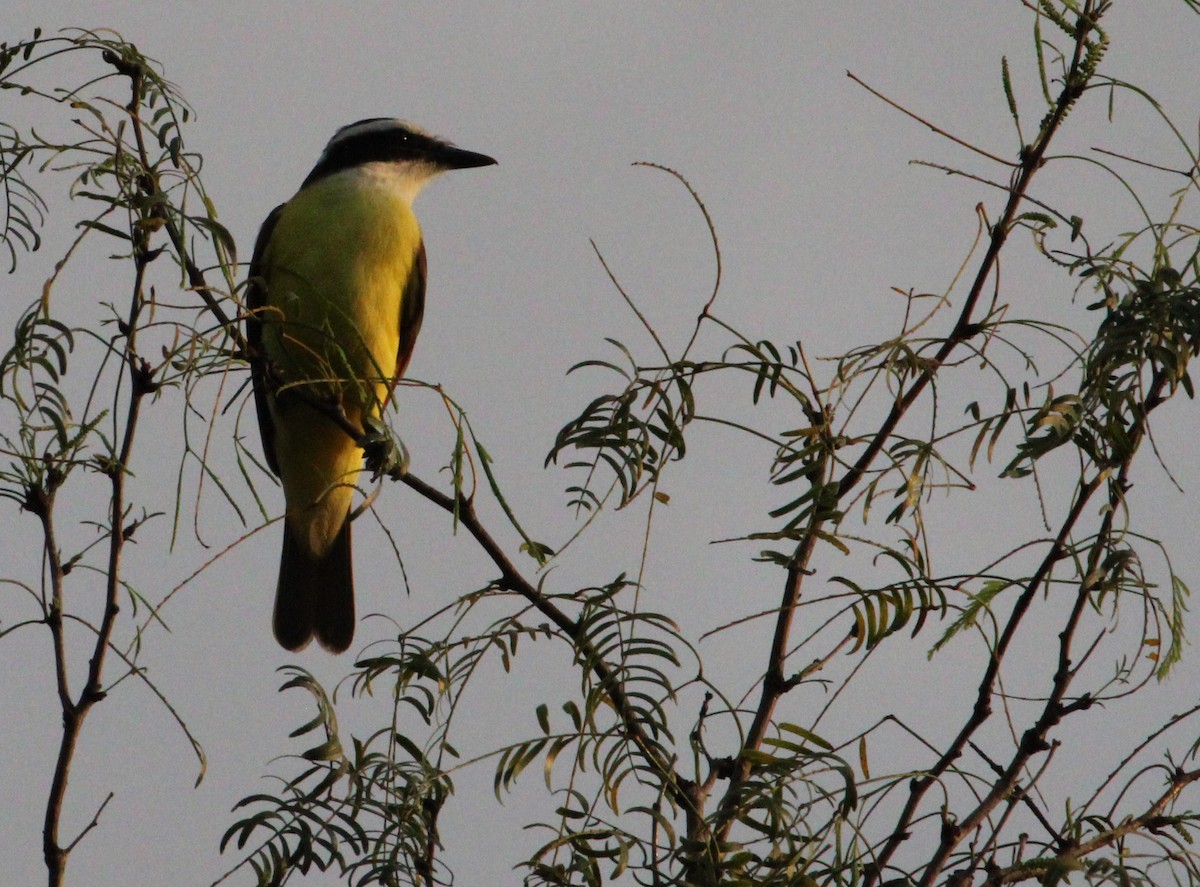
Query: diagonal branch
point(511, 579)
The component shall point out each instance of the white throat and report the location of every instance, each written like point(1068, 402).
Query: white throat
point(403, 178)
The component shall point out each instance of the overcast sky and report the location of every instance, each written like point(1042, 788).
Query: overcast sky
point(819, 214)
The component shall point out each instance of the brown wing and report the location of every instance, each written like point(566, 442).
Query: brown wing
point(256, 301)
point(412, 311)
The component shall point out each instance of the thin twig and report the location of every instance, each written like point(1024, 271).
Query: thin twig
point(937, 129)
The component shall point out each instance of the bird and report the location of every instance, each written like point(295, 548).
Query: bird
point(334, 299)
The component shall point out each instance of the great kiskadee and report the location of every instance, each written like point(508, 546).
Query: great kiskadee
point(335, 297)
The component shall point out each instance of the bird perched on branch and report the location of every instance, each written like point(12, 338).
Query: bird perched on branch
point(335, 298)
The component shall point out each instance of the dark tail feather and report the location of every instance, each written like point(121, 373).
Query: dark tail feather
point(315, 596)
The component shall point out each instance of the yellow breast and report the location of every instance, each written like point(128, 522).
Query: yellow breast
point(336, 269)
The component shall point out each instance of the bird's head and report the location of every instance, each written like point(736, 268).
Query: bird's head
point(394, 147)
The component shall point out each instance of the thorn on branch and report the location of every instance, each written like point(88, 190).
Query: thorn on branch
point(1155, 824)
point(143, 378)
point(37, 500)
point(951, 833)
point(983, 709)
point(696, 736)
point(774, 682)
point(1083, 703)
point(970, 330)
point(1033, 742)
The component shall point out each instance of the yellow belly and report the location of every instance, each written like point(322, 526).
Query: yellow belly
point(335, 273)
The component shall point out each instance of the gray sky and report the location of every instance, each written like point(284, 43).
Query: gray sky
point(807, 179)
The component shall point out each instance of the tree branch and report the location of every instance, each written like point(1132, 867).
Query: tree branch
point(512, 580)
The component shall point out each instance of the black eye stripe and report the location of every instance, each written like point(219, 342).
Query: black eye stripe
point(387, 140)
point(373, 140)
